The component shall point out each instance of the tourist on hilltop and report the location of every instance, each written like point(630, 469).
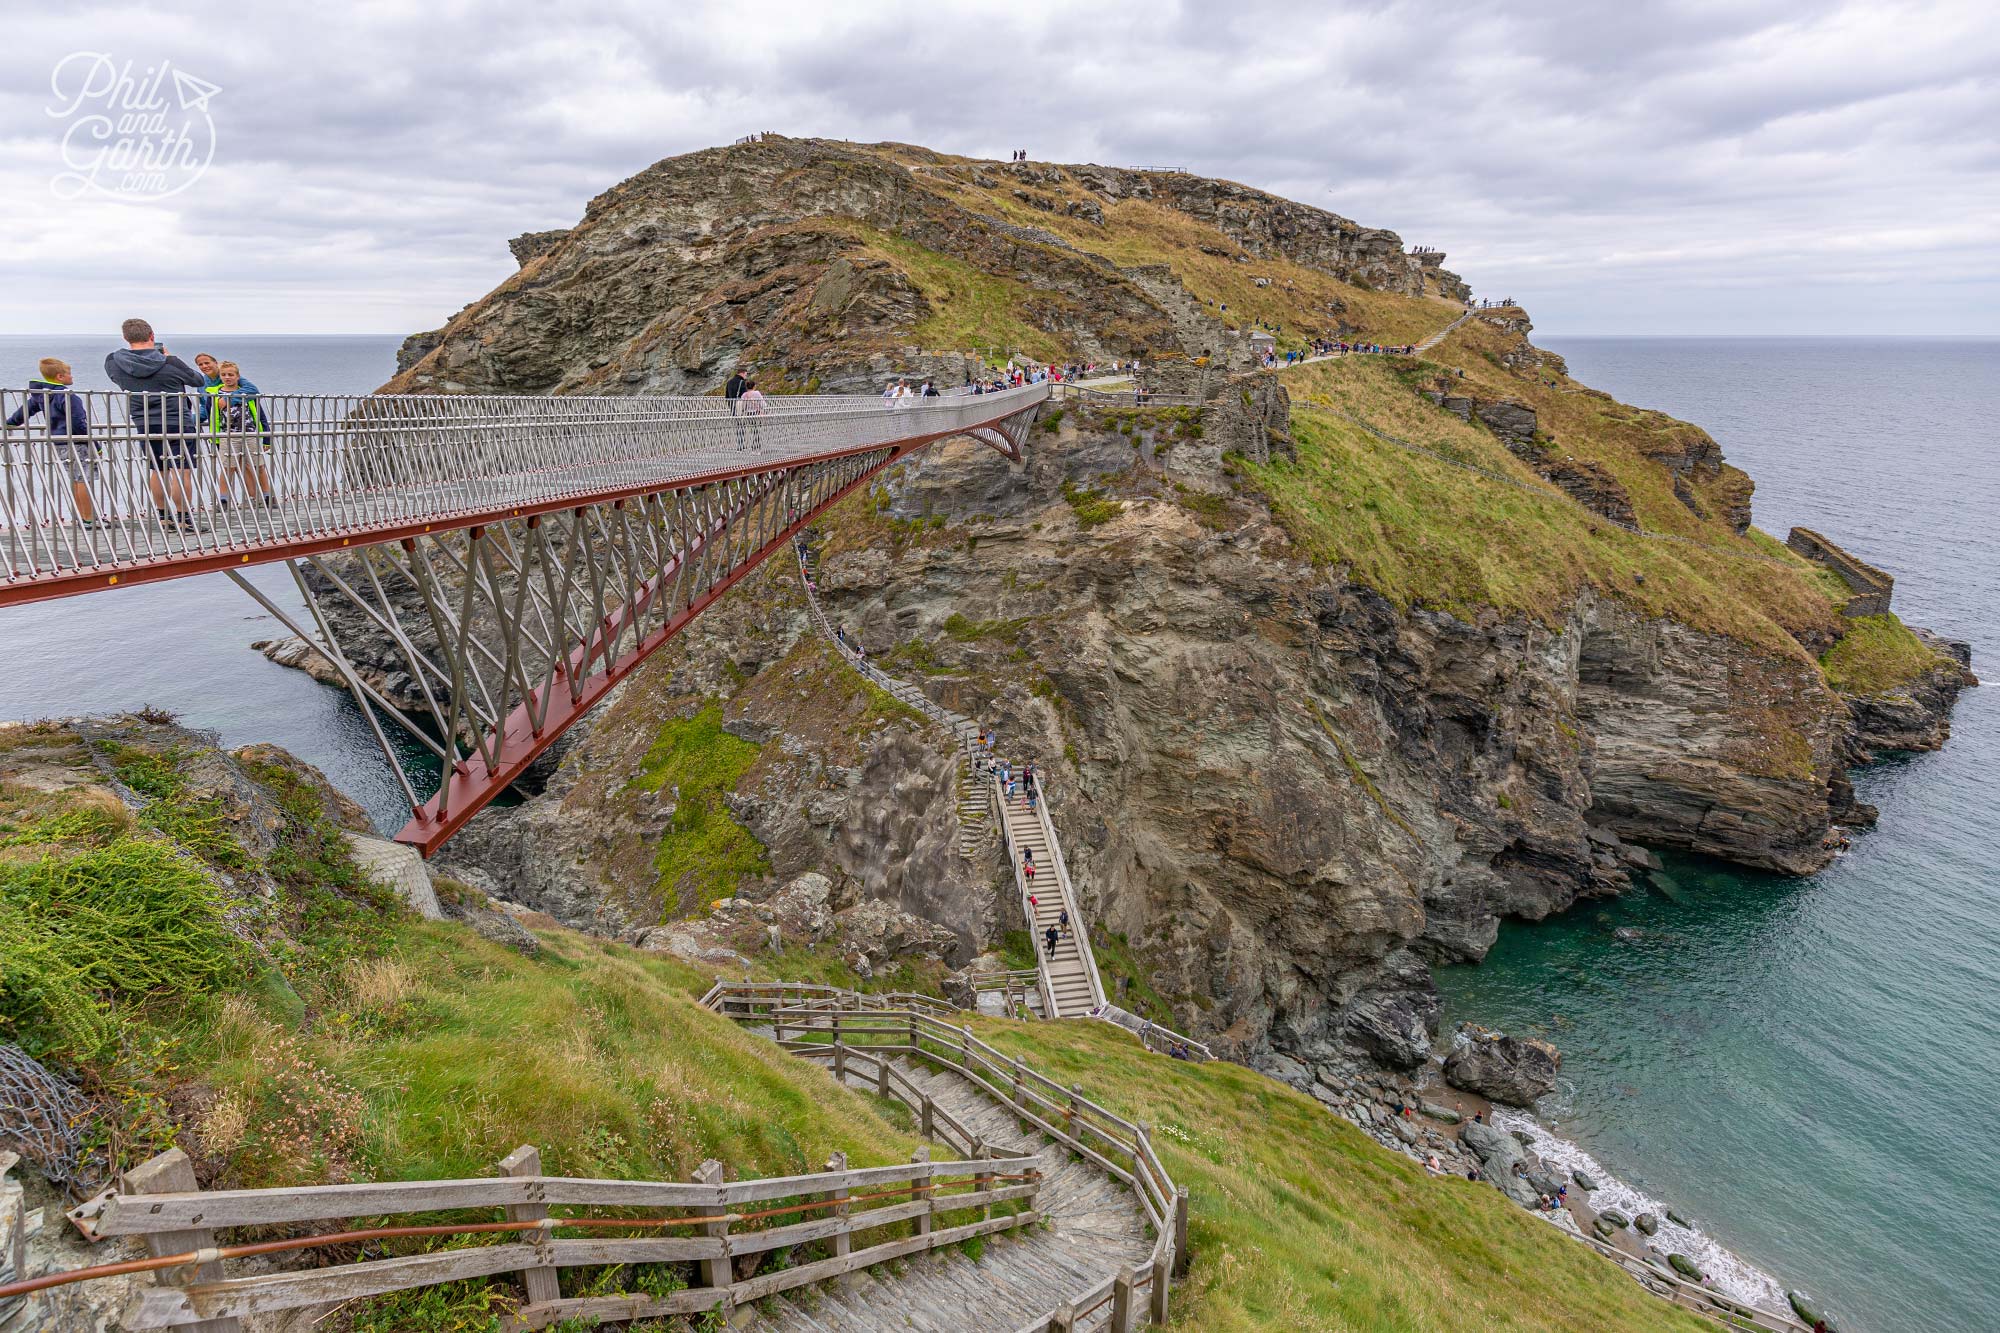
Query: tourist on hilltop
point(51, 398)
point(156, 386)
point(239, 432)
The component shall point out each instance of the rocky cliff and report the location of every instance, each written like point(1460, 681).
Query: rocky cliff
point(1328, 674)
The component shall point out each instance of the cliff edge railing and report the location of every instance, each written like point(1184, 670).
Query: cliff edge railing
point(520, 555)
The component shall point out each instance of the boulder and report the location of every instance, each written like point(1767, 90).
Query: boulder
point(1498, 1155)
point(1514, 1070)
point(1544, 1178)
point(1648, 1223)
point(1604, 1226)
point(1523, 1137)
point(1685, 1266)
point(1584, 1180)
point(1615, 1218)
point(1678, 1220)
point(1438, 1111)
point(803, 909)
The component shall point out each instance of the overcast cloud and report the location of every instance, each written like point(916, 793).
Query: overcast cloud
point(1686, 167)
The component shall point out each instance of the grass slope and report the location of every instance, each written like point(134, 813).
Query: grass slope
point(1423, 532)
point(1876, 655)
point(1300, 1221)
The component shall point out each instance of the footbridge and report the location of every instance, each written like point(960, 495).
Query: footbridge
point(519, 556)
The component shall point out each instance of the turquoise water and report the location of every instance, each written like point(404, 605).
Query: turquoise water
point(1809, 1067)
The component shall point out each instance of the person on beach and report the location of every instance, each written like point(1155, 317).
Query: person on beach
point(240, 434)
point(68, 417)
point(156, 387)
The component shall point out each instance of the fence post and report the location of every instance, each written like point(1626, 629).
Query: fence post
point(172, 1173)
point(716, 1272)
point(542, 1282)
point(1123, 1309)
point(882, 1073)
point(965, 1050)
point(925, 1190)
point(1163, 1276)
point(843, 1243)
point(926, 1117)
point(1070, 1111)
point(836, 1027)
point(1063, 1320)
point(982, 1181)
point(839, 1061)
point(1181, 1255)
point(913, 1032)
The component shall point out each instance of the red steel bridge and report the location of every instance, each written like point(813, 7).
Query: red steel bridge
point(521, 556)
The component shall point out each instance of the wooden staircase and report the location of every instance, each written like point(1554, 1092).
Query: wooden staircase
point(1094, 1228)
point(1070, 987)
point(1067, 973)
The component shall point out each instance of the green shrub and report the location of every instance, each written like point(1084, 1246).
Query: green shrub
point(1092, 507)
point(86, 932)
point(704, 852)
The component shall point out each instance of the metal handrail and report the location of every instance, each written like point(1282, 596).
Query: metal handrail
point(1079, 926)
point(314, 469)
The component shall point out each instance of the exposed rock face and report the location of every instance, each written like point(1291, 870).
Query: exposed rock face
point(669, 282)
point(532, 245)
point(1704, 744)
point(1514, 1070)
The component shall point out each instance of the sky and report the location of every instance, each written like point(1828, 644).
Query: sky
point(1740, 167)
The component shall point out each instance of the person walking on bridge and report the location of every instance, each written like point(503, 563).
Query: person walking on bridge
point(732, 393)
point(68, 418)
point(754, 408)
point(156, 386)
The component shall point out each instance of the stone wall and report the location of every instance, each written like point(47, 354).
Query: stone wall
point(1872, 587)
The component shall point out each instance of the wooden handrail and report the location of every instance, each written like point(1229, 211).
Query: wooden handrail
point(1068, 1119)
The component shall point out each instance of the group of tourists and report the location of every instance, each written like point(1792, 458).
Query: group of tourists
point(901, 393)
point(178, 410)
point(1020, 155)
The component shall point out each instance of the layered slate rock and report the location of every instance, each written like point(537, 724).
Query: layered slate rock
point(1513, 1070)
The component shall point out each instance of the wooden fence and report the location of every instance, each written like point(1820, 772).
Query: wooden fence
point(159, 1202)
point(825, 1023)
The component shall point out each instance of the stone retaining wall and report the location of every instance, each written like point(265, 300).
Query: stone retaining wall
point(1872, 587)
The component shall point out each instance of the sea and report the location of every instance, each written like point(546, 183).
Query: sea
point(184, 646)
point(1802, 1068)
point(1807, 1069)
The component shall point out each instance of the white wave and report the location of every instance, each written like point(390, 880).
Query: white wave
point(1729, 1274)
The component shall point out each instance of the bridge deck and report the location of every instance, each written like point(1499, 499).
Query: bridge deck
point(353, 471)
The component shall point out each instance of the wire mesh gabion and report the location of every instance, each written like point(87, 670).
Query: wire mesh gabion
point(41, 1117)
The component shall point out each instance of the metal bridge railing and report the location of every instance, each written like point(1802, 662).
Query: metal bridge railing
point(138, 479)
